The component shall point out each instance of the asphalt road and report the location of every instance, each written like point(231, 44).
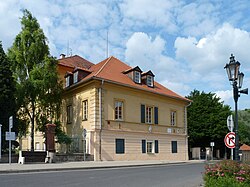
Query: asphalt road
point(181, 175)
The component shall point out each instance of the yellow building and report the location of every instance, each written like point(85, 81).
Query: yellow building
point(125, 113)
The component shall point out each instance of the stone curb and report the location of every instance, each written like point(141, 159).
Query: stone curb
point(87, 167)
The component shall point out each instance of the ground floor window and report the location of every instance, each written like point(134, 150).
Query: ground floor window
point(174, 146)
point(150, 146)
point(119, 146)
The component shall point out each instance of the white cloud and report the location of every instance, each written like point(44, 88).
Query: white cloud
point(148, 54)
point(147, 12)
point(225, 96)
point(196, 19)
point(210, 54)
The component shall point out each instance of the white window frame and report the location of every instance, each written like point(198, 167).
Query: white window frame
point(150, 80)
point(149, 114)
point(75, 77)
point(85, 110)
point(119, 110)
point(67, 81)
point(173, 117)
point(137, 77)
point(150, 147)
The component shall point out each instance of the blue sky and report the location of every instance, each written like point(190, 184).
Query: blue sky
point(186, 44)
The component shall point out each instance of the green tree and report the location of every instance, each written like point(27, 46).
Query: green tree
point(207, 120)
point(38, 86)
point(7, 91)
point(244, 126)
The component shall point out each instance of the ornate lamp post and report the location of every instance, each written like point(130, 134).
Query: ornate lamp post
point(236, 79)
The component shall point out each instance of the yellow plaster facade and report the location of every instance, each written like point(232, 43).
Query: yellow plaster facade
point(103, 129)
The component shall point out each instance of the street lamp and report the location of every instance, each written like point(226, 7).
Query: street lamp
point(236, 79)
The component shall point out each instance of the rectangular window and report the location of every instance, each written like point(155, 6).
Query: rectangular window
point(69, 114)
point(174, 146)
point(149, 147)
point(75, 79)
point(137, 77)
point(119, 146)
point(173, 118)
point(85, 110)
point(149, 114)
point(118, 110)
point(150, 81)
point(67, 81)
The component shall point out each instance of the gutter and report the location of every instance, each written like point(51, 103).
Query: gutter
point(186, 130)
point(100, 117)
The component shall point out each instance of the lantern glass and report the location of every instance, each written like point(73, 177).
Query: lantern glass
point(232, 69)
point(240, 79)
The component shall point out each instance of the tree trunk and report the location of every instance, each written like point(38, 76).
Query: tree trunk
point(32, 127)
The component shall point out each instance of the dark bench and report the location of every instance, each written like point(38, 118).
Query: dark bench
point(36, 156)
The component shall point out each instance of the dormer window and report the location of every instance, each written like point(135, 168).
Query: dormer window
point(67, 81)
point(148, 78)
point(137, 77)
point(150, 81)
point(75, 77)
point(134, 74)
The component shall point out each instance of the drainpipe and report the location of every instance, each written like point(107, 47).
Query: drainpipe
point(100, 116)
point(186, 130)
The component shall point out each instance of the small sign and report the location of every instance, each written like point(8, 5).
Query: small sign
point(212, 144)
point(10, 136)
point(11, 122)
point(230, 123)
point(229, 140)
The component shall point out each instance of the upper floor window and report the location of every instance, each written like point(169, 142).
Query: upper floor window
point(137, 77)
point(118, 110)
point(149, 114)
point(75, 78)
point(67, 81)
point(173, 118)
point(69, 114)
point(150, 81)
point(85, 110)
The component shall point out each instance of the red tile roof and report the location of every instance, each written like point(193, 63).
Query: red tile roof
point(111, 69)
point(75, 61)
point(245, 147)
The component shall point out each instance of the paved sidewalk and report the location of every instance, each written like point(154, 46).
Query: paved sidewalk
point(38, 167)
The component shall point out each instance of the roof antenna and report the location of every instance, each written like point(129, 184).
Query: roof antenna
point(68, 48)
point(107, 44)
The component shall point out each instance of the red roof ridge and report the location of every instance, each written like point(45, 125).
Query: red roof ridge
point(99, 71)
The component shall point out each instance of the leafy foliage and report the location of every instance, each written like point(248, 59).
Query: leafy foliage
point(38, 87)
point(244, 126)
point(7, 98)
point(206, 120)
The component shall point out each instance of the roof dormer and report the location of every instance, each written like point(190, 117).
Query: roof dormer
point(148, 78)
point(68, 78)
point(134, 74)
point(79, 74)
